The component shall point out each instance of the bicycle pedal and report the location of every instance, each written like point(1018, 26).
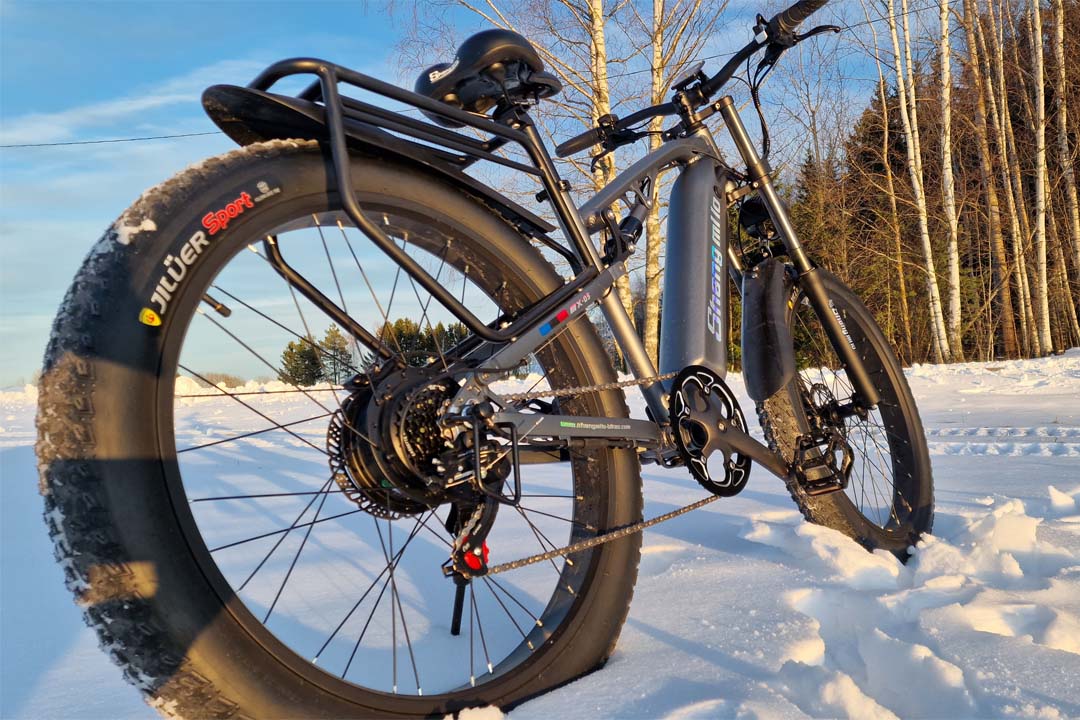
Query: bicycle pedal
point(813, 488)
point(823, 463)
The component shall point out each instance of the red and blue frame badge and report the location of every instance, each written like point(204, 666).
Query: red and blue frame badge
point(550, 325)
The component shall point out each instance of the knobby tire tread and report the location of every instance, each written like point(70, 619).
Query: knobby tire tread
point(110, 587)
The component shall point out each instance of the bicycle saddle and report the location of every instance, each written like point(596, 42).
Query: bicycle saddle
point(490, 67)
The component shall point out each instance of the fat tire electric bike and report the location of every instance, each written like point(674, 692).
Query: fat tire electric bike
point(428, 534)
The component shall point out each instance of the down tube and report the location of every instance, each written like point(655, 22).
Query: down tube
point(694, 317)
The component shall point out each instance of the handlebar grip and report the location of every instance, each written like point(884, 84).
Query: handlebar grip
point(788, 20)
point(576, 144)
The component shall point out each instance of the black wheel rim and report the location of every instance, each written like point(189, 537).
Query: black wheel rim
point(882, 484)
point(374, 615)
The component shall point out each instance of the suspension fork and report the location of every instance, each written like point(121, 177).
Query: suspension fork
point(758, 172)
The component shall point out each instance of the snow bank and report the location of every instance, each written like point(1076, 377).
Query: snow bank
point(741, 609)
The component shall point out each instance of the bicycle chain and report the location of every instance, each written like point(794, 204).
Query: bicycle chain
point(582, 389)
point(599, 539)
point(611, 535)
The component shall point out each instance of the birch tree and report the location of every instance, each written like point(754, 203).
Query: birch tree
point(890, 191)
point(1065, 155)
point(948, 188)
point(905, 82)
point(1042, 291)
point(999, 265)
point(991, 61)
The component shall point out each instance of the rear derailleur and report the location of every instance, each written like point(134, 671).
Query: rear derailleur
point(486, 474)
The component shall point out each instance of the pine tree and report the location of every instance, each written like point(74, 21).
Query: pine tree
point(336, 358)
point(420, 345)
point(300, 363)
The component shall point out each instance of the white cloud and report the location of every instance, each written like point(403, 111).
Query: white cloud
point(119, 116)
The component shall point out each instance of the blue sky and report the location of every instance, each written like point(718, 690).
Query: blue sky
point(72, 71)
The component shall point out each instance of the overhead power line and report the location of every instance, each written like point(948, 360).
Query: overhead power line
point(114, 140)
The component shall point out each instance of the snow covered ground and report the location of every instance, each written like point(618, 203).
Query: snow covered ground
point(741, 609)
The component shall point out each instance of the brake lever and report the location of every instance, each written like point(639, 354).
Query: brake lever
point(613, 140)
point(817, 31)
point(779, 45)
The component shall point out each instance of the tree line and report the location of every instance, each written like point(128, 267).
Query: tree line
point(335, 359)
point(951, 204)
point(943, 191)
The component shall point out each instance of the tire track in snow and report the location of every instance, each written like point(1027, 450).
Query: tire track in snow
point(1057, 441)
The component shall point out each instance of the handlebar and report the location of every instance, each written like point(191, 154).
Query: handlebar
point(610, 127)
point(778, 32)
point(580, 142)
point(787, 21)
point(780, 29)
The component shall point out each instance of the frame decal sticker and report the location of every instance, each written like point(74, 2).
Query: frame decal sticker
point(717, 277)
point(562, 315)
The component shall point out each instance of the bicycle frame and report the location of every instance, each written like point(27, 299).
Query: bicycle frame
point(694, 318)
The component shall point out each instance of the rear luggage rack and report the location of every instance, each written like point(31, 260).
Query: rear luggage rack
point(321, 112)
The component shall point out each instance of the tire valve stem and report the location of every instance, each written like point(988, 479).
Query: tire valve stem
point(221, 308)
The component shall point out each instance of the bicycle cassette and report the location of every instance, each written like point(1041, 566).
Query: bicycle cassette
point(702, 409)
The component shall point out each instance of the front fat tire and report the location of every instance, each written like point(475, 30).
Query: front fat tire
point(115, 528)
point(783, 420)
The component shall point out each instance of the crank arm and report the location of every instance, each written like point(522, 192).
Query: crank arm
point(738, 440)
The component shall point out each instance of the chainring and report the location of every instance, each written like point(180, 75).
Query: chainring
point(702, 407)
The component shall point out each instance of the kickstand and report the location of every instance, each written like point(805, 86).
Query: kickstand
point(460, 583)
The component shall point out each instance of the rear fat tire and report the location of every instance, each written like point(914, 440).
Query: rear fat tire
point(124, 542)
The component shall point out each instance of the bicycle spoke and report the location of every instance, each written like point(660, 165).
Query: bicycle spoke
point(337, 283)
point(396, 559)
point(517, 602)
point(268, 495)
point(386, 318)
point(280, 426)
point(273, 368)
point(424, 308)
point(509, 615)
point(480, 627)
point(256, 392)
point(296, 557)
point(284, 530)
point(367, 623)
point(252, 409)
point(544, 548)
point(585, 526)
point(302, 338)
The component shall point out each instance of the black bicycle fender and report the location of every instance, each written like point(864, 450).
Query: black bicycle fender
point(249, 116)
point(768, 353)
